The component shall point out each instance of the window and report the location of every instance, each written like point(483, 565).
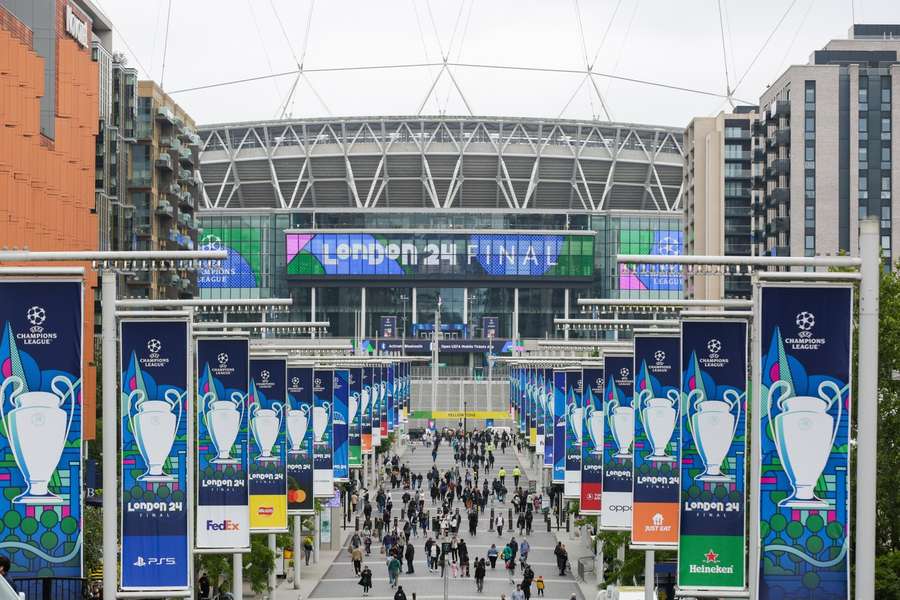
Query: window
point(863, 155)
point(863, 183)
point(885, 124)
point(810, 242)
point(886, 183)
point(863, 90)
point(863, 125)
point(885, 90)
point(885, 154)
point(810, 91)
point(810, 182)
point(810, 154)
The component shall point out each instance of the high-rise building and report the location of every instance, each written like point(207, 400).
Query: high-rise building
point(48, 123)
point(826, 148)
point(717, 195)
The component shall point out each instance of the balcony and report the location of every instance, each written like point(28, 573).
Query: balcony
point(186, 157)
point(740, 155)
point(172, 279)
point(185, 176)
point(737, 173)
point(782, 250)
point(141, 179)
point(783, 136)
point(164, 209)
point(166, 141)
point(781, 108)
point(781, 224)
point(164, 162)
point(185, 219)
point(759, 182)
point(759, 154)
point(143, 231)
point(186, 200)
point(758, 209)
point(781, 195)
point(164, 113)
point(782, 166)
point(758, 127)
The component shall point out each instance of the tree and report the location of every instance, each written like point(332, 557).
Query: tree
point(888, 500)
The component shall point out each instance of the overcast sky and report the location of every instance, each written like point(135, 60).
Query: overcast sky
point(675, 42)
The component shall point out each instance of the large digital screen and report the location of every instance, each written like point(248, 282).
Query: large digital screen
point(434, 254)
point(661, 278)
point(241, 268)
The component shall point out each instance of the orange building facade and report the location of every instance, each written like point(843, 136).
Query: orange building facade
point(47, 185)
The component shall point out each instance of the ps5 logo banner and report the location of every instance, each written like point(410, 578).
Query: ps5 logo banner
point(713, 454)
point(805, 349)
point(40, 398)
point(156, 496)
point(223, 442)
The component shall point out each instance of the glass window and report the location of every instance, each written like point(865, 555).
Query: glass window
point(885, 90)
point(810, 242)
point(863, 90)
point(885, 123)
point(863, 124)
point(885, 154)
point(886, 183)
point(810, 154)
point(863, 183)
point(810, 91)
point(810, 123)
point(863, 154)
point(810, 182)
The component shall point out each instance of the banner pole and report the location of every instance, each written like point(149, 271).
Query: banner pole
point(237, 567)
point(867, 409)
point(298, 525)
point(649, 559)
point(273, 579)
point(110, 436)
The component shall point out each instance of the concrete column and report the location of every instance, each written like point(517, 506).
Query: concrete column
point(298, 548)
point(110, 434)
point(649, 559)
point(237, 568)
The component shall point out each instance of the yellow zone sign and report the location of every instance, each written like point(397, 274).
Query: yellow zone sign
point(470, 414)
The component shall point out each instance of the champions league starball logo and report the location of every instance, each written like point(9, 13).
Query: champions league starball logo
point(669, 246)
point(36, 315)
point(805, 321)
point(295, 381)
point(714, 346)
point(211, 242)
point(264, 375)
point(660, 357)
point(153, 347)
point(624, 372)
point(223, 359)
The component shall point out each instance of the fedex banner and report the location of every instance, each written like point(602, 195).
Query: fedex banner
point(618, 438)
point(40, 394)
point(340, 418)
point(300, 438)
point(268, 452)
point(323, 432)
point(805, 345)
point(592, 441)
point(657, 384)
point(223, 502)
point(574, 420)
point(354, 438)
point(157, 499)
point(713, 454)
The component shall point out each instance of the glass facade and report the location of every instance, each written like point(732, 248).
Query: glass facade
point(258, 268)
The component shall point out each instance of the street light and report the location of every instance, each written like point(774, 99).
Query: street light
point(403, 298)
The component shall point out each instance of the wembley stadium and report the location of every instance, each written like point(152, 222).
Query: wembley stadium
point(372, 223)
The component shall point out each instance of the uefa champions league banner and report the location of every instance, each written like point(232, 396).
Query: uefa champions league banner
point(532, 410)
point(618, 439)
point(713, 452)
point(155, 490)
point(268, 460)
point(300, 437)
point(592, 441)
point(574, 421)
point(40, 397)
point(559, 427)
point(657, 384)
point(383, 401)
point(354, 442)
point(391, 399)
point(804, 420)
point(323, 432)
point(522, 400)
point(223, 501)
point(539, 400)
point(549, 423)
point(375, 377)
point(340, 418)
point(365, 399)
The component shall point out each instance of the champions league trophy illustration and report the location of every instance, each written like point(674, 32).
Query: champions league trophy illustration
point(576, 421)
point(594, 419)
point(352, 407)
point(297, 425)
point(804, 435)
point(658, 416)
point(320, 421)
point(621, 425)
point(223, 420)
point(154, 426)
point(265, 423)
point(713, 426)
point(365, 400)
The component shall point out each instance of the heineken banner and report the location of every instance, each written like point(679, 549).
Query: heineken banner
point(559, 427)
point(549, 424)
point(375, 399)
point(40, 396)
point(713, 452)
point(354, 438)
point(323, 432)
point(592, 441)
point(574, 420)
point(618, 438)
point(804, 419)
point(156, 494)
point(300, 436)
point(540, 400)
point(383, 400)
point(268, 465)
point(657, 384)
point(223, 502)
point(366, 410)
point(340, 417)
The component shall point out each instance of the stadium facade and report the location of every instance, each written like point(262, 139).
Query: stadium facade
point(506, 221)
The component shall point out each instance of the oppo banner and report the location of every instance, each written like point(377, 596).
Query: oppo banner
point(559, 427)
point(323, 432)
point(574, 421)
point(657, 366)
point(549, 422)
point(618, 438)
point(713, 452)
point(156, 495)
point(805, 337)
point(354, 438)
point(366, 395)
point(223, 502)
point(540, 407)
point(592, 441)
point(340, 418)
point(300, 437)
point(375, 373)
point(268, 469)
point(40, 395)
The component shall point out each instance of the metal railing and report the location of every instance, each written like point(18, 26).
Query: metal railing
point(462, 394)
point(52, 588)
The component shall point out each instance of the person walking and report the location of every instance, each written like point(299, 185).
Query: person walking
point(356, 556)
point(527, 577)
point(307, 548)
point(203, 584)
point(539, 585)
point(492, 555)
point(562, 557)
point(524, 549)
point(480, 572)
point(400, 594)
point(365, 580)
point(409, 555)
point(517, 473)
point(393, 566)
point(502, 475)
point(518, 594)
point(433, 554)
point(498, 524)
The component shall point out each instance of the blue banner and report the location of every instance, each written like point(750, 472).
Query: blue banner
point(549, 423)
point(391, 400)
point(711, 540)
point(268, 466)
point(341, 415)
point(559, 427)
point(40, 398)
point(657, 395)
point(540, 401)
point(383, 400)
point(574, 421)
point(323, 429)
point(375, 378)
point(300, 439)
point(804, 419)
point(354, 437)
point(223, 501)
point(618, 442)
point(592, 441)
point(156, 497)
point(366, 395)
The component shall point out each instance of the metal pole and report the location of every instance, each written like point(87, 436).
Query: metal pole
point(110, 471)
point(649, 558)
point(755, 440)
point(435, 356)
point(237, 568)
point(566, 311)
point(867, 407)
point(298, 525)
point(273, 579)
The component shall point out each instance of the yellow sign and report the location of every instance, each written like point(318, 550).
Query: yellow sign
point(470, 414)
point(532, 437)
point(268, 512)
